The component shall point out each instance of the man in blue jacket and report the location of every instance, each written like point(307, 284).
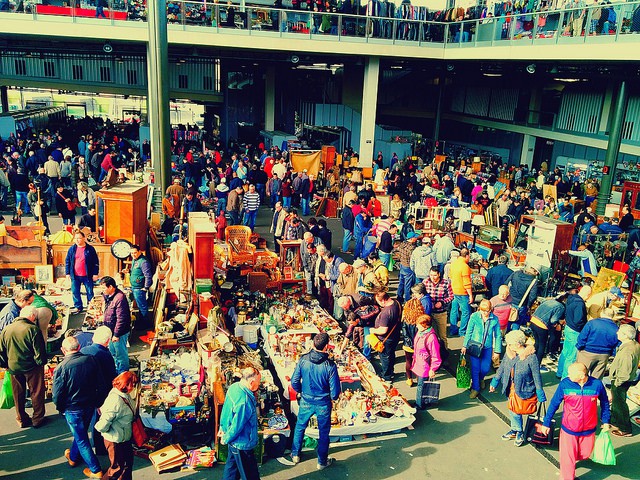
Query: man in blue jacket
point(317, 383)
point(239, 427)
point(497, 275)
point(81, 267)
point(347, 227)
point(141, 278)
point(596, 343)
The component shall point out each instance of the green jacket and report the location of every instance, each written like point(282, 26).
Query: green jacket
point(22, 346)
point(141, 275)
point(39, 302)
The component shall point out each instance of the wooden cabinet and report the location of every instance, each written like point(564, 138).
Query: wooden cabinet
point(328, 157)
point(125, 213)
point(202, 233)
point(291, 262)
point(544, 237)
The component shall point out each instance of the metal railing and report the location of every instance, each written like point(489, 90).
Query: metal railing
point(581, 25)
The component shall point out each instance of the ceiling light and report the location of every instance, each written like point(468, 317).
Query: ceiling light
point(492, 74)
point(531, 68)
point(450, 67)
point(396, 67)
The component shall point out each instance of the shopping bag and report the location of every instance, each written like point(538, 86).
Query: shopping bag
point(430, 393)
point(603, 449)
point(532, 428)
point(6, 394)
point(463, 374)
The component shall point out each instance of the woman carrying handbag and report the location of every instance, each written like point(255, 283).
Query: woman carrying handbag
point(519, 374)
point(116, 416)
point(483, 343)
point(426, 357)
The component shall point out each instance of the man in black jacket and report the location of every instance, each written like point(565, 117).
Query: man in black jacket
point(523, 286)
point(347, 227)
point(75, 394)
point(117, 316)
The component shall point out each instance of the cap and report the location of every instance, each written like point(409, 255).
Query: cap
point(359, 263)
point(411, 235)
point(426, 240)
point(616, 291)
point(223, 180)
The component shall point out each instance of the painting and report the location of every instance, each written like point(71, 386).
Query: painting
point(606, 279)
point(385, 202)
point(44, 274)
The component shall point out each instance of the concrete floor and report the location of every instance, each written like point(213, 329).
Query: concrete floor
point(459, 439)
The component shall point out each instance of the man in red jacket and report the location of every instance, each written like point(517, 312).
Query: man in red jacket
point(580, 394)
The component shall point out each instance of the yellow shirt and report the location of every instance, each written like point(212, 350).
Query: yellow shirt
point(460, 276)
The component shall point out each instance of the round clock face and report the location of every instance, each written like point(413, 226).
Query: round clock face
point(121, 249)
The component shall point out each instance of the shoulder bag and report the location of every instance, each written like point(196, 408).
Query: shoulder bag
point(138, 434)
point(513, 314)
point(375, 343)
point(532, 428)
point(520, 406)
point(475, 348)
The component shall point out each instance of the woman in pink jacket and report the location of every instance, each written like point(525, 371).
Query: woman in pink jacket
point(426, 356)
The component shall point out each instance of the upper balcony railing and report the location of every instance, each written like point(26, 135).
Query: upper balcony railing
point(597, 23)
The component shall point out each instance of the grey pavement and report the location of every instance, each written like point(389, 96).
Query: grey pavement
point(458, 439)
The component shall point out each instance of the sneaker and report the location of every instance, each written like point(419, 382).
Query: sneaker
point(474, 394)
point(88, 473)
point(519, 439)
point(553, 357)
point(510, 435)
point(543, 369)
point(330, 461)
point(67, 455)
point(295, 459)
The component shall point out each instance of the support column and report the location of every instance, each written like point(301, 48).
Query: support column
point(436, 122)
point(616, 121)
point(528, 147)
point(369, 106)
point(270, 99)
point(158, 92)
point(4, 98)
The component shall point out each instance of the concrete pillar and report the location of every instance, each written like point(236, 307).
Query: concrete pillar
point(369, 106)
point(158, 92)
point(4, 98)
point(270, 98)
point(613, 146)
point(528, 147)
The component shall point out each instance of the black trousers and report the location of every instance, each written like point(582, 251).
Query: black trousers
point(240, 464)
point(541, 336)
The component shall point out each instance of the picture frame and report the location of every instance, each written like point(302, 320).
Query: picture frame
point(606, 279)
point(385, 202)
point(44, 274)
point(8, 280)
point(288, 273)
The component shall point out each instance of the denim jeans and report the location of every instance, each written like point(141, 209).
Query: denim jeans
point(286, 202)
point(21, 198)
point(222, 205)
point(569, 352)
point(76, 281)
point(141, 297)
point(406, 280)
point(323, 414)
point(78, 421)
point(304, 204)
point(419, 389)
point(260, 188)
point(388, 359)
point(234, 218)
point(275, 198)
point(516, 421)
point(385, 258)
point(242, 463)
point(460, 308)
point(357, 251)
point(100, 12)
point(120, 353)
point(250, 218)
point(480, 367)
point(346, 239)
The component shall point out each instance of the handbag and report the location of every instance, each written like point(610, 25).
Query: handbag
point(6, 394)
point(430, 392)
point(463, 374)
point(138, 433)
point(521, 406)
point(475, 348)
point(513, 314)
point(375, 343)
point(532, 428)
point(603, 452)
point(71, 206)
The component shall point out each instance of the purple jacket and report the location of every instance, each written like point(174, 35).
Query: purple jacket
point(117, 315)
point(426, 353)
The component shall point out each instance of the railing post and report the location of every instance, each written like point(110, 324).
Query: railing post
point(475, 37)
point(587, 25)
point(619, 21)
point(394, 30)
point(445, 38)
point(560, 28)
point(339, 27)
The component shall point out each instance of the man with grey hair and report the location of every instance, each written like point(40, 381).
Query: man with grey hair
point(239, 426)
point(623, 373)
point(278, 225)
point(75, 394)
point(23, 352)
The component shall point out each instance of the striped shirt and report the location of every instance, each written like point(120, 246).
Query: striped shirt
point(251, 201)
